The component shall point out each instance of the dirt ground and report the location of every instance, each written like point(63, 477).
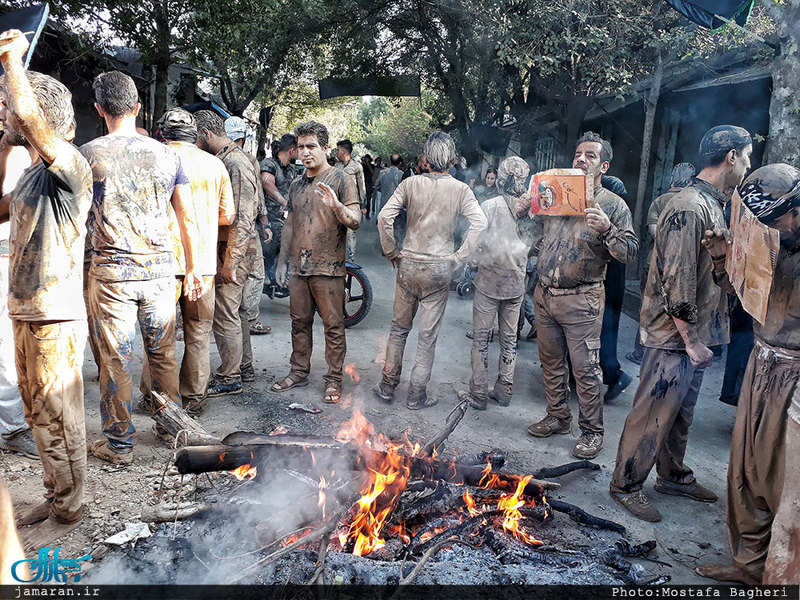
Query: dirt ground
point(690, 533)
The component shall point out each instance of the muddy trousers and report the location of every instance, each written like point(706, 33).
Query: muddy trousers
point(783, 558)
point(757, 463)
point(196, 320)
point(422, 286)
point(12, 416)
point(251, 298)
point(49, 358)
point(657, 428)
point(231, 330)
point(484, 312)
point(116, 307)
point(351, 245)
point(306, 296)
point(568, 322)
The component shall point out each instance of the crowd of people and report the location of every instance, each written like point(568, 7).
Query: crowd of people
point(116, 233)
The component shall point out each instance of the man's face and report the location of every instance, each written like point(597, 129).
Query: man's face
point(12, 134)
point(741, 166)
point(789, 226)
point(422, 165)
point(587, 159)
point(341, 153)
point(311, 154)
point(491, 178)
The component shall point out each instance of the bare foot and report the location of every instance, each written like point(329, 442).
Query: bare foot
point(727, 573)
point(45, 533)
point(38, 513)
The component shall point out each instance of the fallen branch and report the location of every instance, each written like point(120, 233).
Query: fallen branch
point(404, 581)
point(178, 423)
point(548, 472)
point(452, 421)
point(166, 513)
point(581, 516)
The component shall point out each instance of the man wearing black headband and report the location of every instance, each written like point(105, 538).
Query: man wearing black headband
point(683, 313)
point(758, 458)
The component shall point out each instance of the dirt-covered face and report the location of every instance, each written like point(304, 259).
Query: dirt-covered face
point(311, 154)
point(491, 179)
point(740, 165)
point(587, 159)
point(13, 136)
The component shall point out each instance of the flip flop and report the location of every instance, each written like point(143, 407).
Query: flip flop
point(288, 383)
point(333, 394)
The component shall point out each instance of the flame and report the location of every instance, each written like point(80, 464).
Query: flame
point(400, 531)
point(245, 472)
point(295, 536)
point(510, 506)
point(350, 369)
point(469, 501)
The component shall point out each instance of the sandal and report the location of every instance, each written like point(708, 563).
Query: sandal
point(288, 383)
point(333, 394)
point(258, 328)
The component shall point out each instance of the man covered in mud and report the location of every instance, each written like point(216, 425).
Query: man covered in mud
point(277, 173)
point(433, 202)
point(573, 253)
point(758, 460)
point(238, 248)
point(213, 207)
point(47, 210)
point(355, 172)
point(132, 276)
point(499, 285)
point(323, 206)
point(683, 313)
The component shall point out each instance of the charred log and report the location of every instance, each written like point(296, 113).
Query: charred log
point(178, 423)
point(550, 472)
point(581, 516)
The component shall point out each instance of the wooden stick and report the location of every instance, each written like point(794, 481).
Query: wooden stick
point(178, 423)
point(452, 421)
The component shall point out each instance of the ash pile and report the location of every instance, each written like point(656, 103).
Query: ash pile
point(362, 509)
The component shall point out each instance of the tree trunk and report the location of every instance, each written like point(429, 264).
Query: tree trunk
point(571, 127)
point(651, 104)
point(784, 107)
point(160, 101)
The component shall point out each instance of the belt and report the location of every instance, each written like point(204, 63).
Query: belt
point(782, 354)
point(578, 289)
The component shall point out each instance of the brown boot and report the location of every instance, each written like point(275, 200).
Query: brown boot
point(727, 573)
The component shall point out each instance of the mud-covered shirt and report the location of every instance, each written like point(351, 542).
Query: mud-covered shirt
point(570, 254)
point(48, 212)
point(134, 177)
point(680, 282)
point(319, 240)
point(503, 252)
point(781, 326)
point(283, 174)
point(212, 199)
point(245, 187)
point(355, 172)
point(433, 203)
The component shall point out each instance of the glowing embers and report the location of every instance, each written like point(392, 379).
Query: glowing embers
point(245, 472)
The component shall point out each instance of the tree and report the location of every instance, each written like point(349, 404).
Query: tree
point(784, 108)
point(401, 128)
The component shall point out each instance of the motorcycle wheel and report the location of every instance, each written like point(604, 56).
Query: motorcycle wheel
point(358, 296)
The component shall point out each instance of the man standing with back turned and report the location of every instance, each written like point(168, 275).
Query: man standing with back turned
point(683, 313)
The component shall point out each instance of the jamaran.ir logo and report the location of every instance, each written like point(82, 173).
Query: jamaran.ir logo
point(45, 568)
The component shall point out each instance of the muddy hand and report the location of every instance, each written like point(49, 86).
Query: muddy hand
point(700, 354)
point(282, 274)
point(717, 242)
point(597, 220)
point(13, 43)
point(193, 287)
point(326, 193)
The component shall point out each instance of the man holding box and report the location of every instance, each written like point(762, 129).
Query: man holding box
point(573, 253)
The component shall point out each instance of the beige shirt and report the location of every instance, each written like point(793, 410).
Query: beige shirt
point(212, 200)
point(570, 254)
point(355, 172)
point(680, 282)
point(433, 204)
point(48, 212)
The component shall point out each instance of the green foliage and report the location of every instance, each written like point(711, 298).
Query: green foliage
point(402, 128)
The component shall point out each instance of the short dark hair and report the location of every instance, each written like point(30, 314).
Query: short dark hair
point(116, 93)
point(395, 159)
point(55, 102)
point(208, 120)
point(606, 152)
point(346, 144)
point(286, 142)
point(720, 140)
point(313, 128)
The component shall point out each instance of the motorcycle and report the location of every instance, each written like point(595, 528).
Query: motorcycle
point(358, 294)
